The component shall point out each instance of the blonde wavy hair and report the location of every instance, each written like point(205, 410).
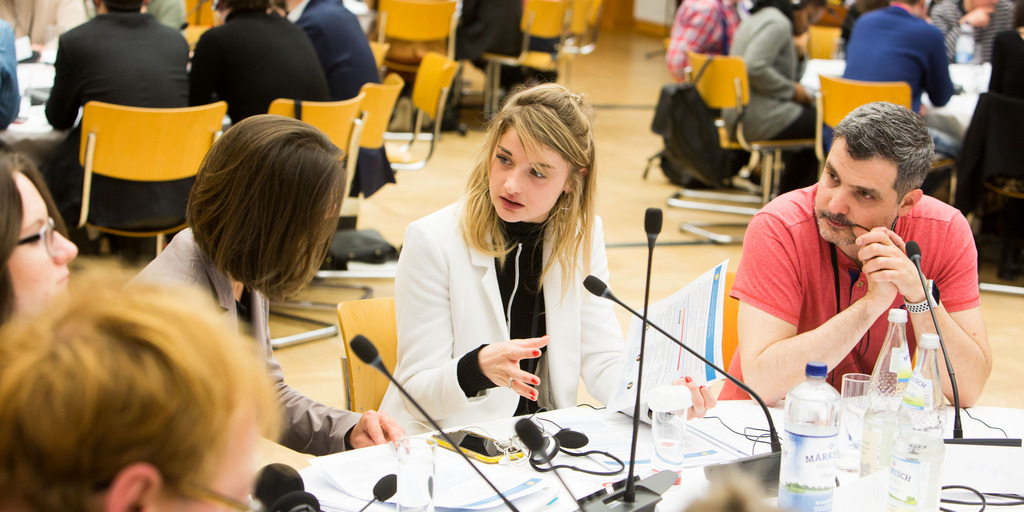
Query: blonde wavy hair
point(544, 116)
point(108, 377)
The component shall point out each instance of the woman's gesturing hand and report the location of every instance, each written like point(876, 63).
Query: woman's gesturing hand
point(500, 363)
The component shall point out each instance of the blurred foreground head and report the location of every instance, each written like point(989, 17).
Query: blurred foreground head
point(135, 398)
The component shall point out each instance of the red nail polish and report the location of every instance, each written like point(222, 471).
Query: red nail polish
point(688, 379)
point(702, 387)
point(536, 353)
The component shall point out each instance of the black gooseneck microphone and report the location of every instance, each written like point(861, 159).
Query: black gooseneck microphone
point(280, 489)
point(766, 465)
point(367, 353)
point(383, 490)
point(540, 447)
point(914, 252)
point(652, 226)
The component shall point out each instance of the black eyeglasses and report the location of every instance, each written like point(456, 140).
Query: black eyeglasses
point(215, 498)
point(45, 234)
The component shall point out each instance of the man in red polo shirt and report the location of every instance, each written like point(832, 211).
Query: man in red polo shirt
point(822, 265)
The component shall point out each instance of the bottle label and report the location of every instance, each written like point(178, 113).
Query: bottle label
point(807, 477)
point(899, 363)
point(918, 394)
point(904, 485)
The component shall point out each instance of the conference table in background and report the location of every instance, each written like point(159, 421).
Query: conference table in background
point(989, 469)
point(954, 117)
point(30, 133)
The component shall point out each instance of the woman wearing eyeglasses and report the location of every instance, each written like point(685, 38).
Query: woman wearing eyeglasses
point(34, 253)
point(137, 398)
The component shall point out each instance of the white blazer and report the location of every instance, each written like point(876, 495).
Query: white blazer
point(448, 303)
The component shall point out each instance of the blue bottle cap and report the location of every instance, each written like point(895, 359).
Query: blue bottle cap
point(816, 369)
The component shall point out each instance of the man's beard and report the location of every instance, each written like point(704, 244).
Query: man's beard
point(829, 232)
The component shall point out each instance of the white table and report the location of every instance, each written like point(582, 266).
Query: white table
point(30, 133)
point(954, 117)
point(854, 494)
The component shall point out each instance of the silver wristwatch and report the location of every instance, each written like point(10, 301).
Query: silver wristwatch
point(922, 307)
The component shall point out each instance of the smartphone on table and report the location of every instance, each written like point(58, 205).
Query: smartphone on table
point(477, 446)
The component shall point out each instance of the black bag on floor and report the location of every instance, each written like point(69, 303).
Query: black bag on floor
point(363, 245)
point(693, 152)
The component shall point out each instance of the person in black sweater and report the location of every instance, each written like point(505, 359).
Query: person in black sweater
point(254, 58)
point(1008, 57)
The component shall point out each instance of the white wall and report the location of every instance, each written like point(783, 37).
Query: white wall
point(658, 12)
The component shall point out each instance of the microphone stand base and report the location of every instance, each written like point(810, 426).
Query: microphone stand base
point(648, 494)
point(986, 442)
point(764, 468)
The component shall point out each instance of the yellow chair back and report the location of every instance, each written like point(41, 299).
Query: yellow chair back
point(148, 144)
point(730, 316)
point(433, 79)
point(199, 15)
point(822, 42)
point(375, 319)
point(840, 96)
point(416, 20)
point(378, 103)
point(544, 18)
point(584, 16)
point(380, 50)
point(334, 118)
point(717, 86)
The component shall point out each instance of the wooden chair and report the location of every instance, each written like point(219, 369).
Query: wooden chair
point(724, 85)
point(417, 21)
point(380, 52)
point(144, 161)
point(840, 96)
point(582, 34)
point(822, 42)
point(342, 121)
point(375, 319)
point(429, 95)
point(542, 19)
point(730, 324)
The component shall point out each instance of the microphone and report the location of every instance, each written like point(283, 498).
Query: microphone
point(767, 465)
point(652, 226)
point(367, 353)
point(280, 489)
point(914, 252)
point(541, 449)
point(571, 439)
point(383, 490)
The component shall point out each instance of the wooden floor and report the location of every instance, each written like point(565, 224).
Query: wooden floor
point(624, 82)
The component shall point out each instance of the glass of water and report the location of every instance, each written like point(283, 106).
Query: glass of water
point(668, 405)
point(416, 474)
point(851, 420)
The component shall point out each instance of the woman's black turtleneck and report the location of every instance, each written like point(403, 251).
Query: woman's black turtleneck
point(519, 285)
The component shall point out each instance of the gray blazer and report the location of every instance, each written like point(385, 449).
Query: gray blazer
point(765, 41)
point(310, 427)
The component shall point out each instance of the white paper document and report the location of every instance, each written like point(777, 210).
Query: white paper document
point(457, 485)
point(694, 315)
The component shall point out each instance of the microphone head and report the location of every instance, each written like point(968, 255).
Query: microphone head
point(596, 286)
point(530, 435)
point(652, 221)
point(914, 251)
point(276, 480)
point(571, 439)
point(385, 487)
point(364, 350)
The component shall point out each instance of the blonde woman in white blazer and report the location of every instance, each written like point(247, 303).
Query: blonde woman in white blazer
point(493, 319)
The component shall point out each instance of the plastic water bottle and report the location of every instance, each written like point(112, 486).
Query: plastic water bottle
point(915, 477)
point(965, 45)
point(807, 477)
point(885, 392)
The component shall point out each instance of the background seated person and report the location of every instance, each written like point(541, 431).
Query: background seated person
point(493, 319)
point(843, 240)
point(253, 58)
point(138, 399)
point(701, 26)
point(260, 213)
point(779, 106)
point(986, 18)
point(40, 19)
point(1008, 58)
point(34, 254)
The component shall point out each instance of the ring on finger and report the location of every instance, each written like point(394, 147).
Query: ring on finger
point(510, 381)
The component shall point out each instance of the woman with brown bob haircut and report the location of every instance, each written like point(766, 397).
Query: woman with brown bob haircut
point(121, 399)
point(261, 214)
point(34, 249)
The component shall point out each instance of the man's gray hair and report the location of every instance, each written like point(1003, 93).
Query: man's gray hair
point(889, 131)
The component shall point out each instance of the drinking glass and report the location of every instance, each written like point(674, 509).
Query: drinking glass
point(851, 421)
point(416, 474)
